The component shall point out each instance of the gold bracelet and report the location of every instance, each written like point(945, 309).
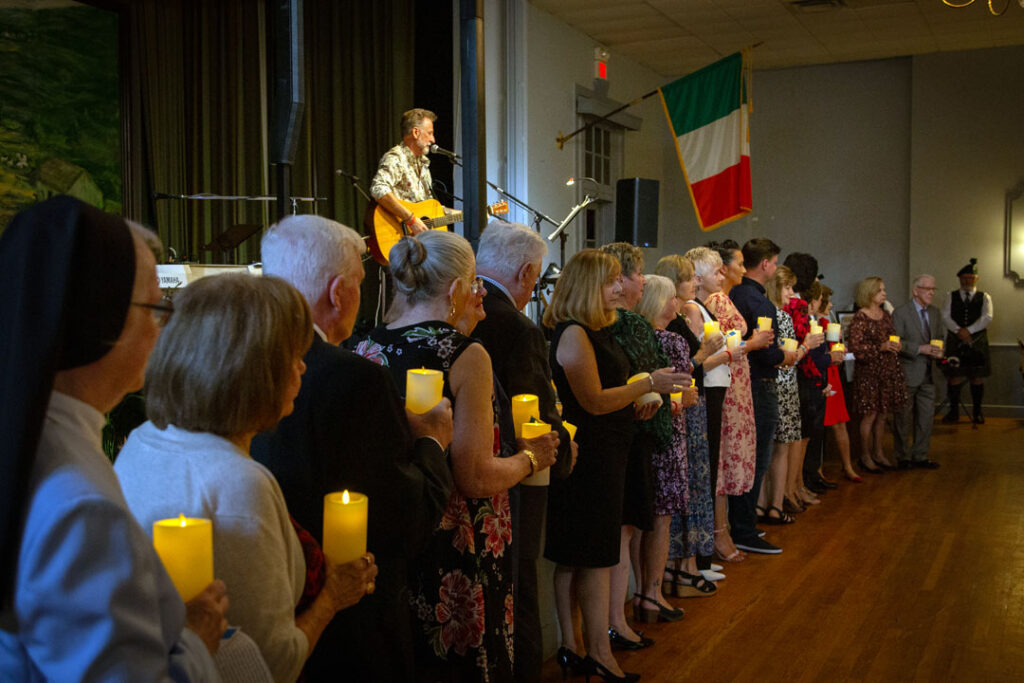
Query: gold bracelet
point(533, 461)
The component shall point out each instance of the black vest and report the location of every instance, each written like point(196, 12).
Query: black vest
point(965, 314)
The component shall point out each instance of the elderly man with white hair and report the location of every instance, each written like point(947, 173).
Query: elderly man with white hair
point(349, 430)
point(509, 259)
point(917, 323)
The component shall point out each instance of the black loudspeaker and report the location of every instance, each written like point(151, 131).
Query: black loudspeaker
point(289, 81)
point(636, 211)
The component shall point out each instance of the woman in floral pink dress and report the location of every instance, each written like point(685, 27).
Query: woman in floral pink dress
point(462, 584)
point(737, 449)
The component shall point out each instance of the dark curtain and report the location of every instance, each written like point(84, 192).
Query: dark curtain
point(198, 89)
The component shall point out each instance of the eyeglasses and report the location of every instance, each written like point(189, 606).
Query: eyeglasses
point(161, 311)
point(476, 285)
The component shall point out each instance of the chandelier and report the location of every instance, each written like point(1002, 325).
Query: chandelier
point(991, 5)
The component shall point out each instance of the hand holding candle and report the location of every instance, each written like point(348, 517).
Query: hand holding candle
point(533, 430)
point(185, 546)
point(345, 518)
point(650, 396)
point(788, 344)
point(423, 389)
point(764, 323)
point(712, 327)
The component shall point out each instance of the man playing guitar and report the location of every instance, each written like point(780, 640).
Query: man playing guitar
point(404, 170)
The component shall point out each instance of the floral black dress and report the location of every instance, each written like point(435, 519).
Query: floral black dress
point(462, 585)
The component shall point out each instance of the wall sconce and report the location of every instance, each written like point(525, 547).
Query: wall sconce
point(1013, 238)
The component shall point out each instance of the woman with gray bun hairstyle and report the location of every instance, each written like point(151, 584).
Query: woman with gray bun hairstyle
point(462, 584)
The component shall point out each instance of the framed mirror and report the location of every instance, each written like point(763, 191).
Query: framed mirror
point(1013, 244)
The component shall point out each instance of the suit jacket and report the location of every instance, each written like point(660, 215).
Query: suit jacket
point(908, 325)
point(519, 356)
point(349, 431)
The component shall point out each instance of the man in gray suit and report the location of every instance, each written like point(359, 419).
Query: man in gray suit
point(917, 323)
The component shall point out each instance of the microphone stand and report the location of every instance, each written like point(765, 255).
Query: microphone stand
point(538, 218)
point(355, 183)
point(560, 232)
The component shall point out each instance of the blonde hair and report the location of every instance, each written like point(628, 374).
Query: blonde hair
point(657, 292)
point(705, 260)
point(577, 294)
point(866, 290)
point(424, 267)
point(773, 287)
point(675, 268)
point(224, 359)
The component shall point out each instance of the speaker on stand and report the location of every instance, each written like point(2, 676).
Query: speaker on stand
point(289, 95)
point(636, 211)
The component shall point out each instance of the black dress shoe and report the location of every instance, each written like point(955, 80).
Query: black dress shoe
point(926, 464)
point(621, 642)
point(905, 465)
point(828, 484)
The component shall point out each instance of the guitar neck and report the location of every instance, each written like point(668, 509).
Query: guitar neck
point(441, 221)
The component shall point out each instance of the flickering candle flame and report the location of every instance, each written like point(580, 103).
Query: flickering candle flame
point(525, 407)
point(345, 518)
point(185, 547)
point(423, 389)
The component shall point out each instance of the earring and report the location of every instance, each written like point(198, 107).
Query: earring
point(451, 314)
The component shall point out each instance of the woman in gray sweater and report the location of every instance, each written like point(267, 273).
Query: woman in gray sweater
point(227, 366)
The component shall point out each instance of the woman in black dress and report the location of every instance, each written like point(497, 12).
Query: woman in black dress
point(585, 509)
point(462, 585)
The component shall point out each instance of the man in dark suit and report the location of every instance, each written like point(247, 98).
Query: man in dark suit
point(509, 259)
point(349, 430)
point(917, 323)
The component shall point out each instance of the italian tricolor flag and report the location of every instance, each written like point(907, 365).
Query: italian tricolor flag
point(707, 111)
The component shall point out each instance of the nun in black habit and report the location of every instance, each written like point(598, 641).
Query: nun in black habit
point(83, 594)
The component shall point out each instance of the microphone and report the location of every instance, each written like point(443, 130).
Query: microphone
point(434, 149)
point(345, 174)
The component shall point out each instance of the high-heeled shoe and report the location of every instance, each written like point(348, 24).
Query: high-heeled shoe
point(855, 478)
point(595, 668)
point(659, 612)
point(570, 662)
point(871, 469)
point(621, 642)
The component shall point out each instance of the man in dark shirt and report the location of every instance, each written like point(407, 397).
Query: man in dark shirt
point(761, 257)
point(509, 259)
point(349, 430)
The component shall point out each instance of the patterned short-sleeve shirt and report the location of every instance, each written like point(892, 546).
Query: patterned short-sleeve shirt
point(402, 172)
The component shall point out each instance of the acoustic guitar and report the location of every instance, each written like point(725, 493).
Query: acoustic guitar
point(385, 230)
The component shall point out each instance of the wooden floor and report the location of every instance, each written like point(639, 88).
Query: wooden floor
point(910, 576)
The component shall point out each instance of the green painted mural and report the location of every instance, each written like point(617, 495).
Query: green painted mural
point(60, 129)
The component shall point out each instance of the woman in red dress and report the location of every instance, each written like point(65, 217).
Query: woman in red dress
point(836, 415)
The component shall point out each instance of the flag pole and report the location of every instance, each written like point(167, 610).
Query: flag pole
point(562, 139)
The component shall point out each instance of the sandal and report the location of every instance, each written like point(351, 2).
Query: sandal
point(782, 518)
point(791, 506)
point(807, 498)
point(668, 583)
point(736, 555)
point(693, 586)
point(652, 615)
